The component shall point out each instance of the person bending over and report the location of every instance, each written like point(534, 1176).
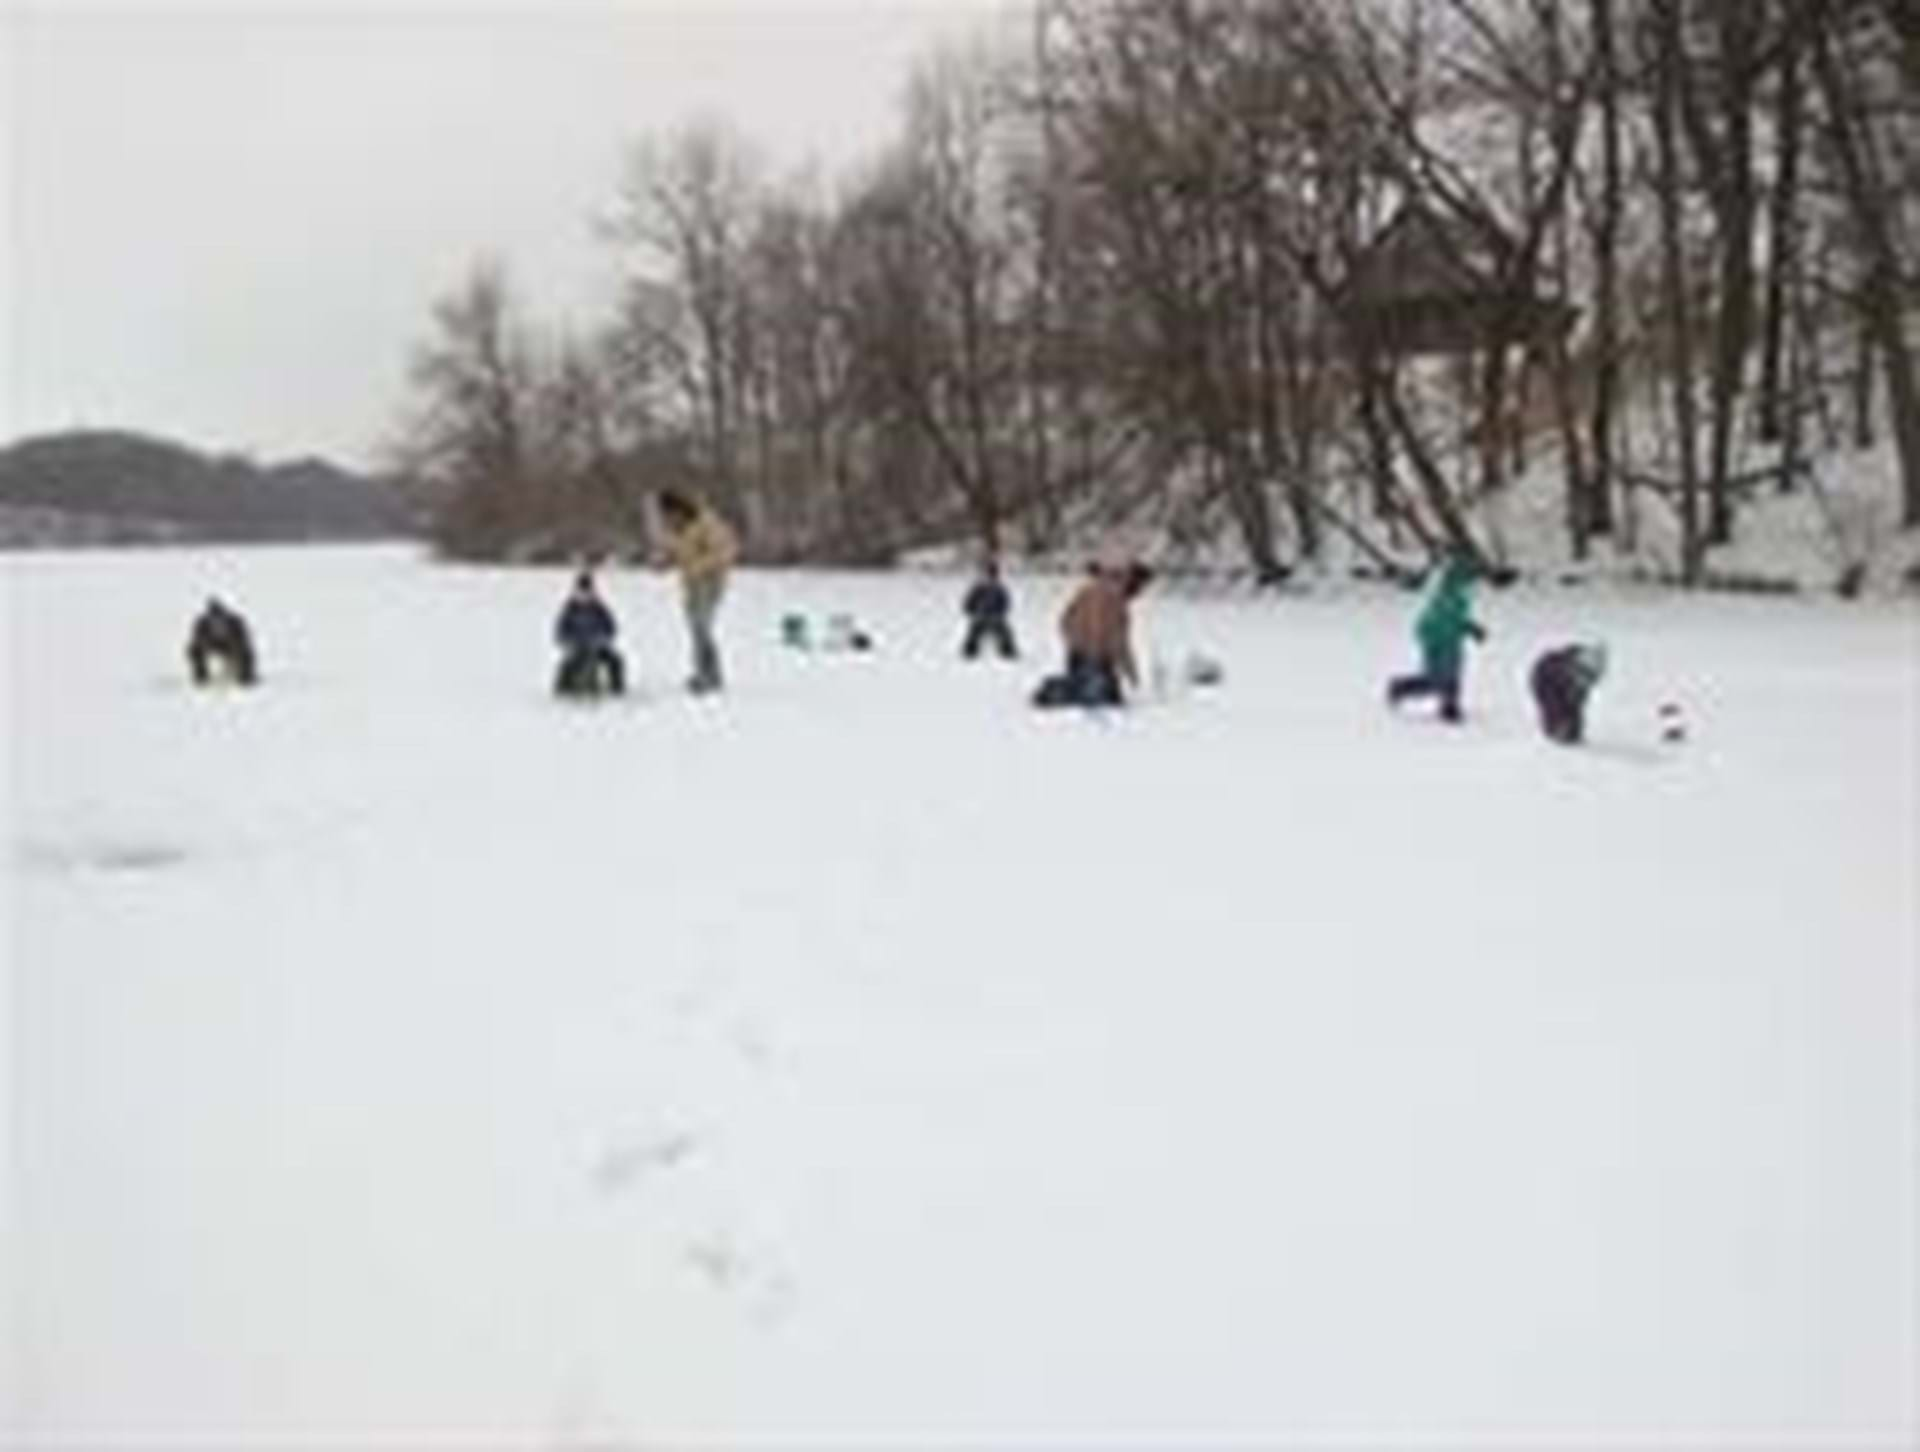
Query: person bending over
point(1562, 680)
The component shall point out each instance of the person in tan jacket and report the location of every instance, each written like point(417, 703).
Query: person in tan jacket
point(1097, 629)
point(702, 548)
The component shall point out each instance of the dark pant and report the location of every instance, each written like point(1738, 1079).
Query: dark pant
point(1086, 682)
point(1446, 687)
point(589, 670)
point(984, 629)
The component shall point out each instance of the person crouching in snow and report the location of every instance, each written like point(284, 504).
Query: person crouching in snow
point(1442, 629)
point(987, 607)
point(1562, 680)
point(221, 638)
point(584, 633)
point(1097, 629)
point(703, 548)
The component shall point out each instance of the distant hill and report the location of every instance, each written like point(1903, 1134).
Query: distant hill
point(96, 487)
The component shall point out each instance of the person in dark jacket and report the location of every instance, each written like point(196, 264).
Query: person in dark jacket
point(987, 608)
point(1562, 680)
point(1097, 629)
point(220, 638)
point(585, 632)
point(1444, 626)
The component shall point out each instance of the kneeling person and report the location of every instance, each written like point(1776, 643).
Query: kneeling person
point(1097, 629)
point(220, 639)
point(589, 663)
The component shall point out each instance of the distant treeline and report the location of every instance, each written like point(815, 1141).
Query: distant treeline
point(93, 487)
point(1261, 277)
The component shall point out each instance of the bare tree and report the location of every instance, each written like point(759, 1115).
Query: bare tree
point(589, 443)
point(685, 210)
point(1270, 272)
point(469, 436)
point(1594, 515)
point(1663, 38)
point(1185, 135)
point(940, 306)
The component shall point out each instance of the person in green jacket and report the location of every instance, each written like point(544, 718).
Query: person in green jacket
point(1442, 630)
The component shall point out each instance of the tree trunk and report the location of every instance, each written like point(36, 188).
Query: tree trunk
point(1579, 481)
point(1433, 482)
point(1784, 231)
point(1668, 57)
point(1866, 364)
point(1721, 140)
point(1595, 511)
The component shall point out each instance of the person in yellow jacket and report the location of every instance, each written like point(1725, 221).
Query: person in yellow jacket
point(702, 547)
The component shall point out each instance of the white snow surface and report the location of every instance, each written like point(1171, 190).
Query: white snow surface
point(402, 1058)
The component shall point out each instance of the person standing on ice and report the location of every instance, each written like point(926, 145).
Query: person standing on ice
point(1562, 680)
point(702, 548)
point(584, 633)
point(1442, 630)
point(987, 608)
point(1097, 629)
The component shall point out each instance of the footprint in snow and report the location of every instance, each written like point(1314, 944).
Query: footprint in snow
point(121, 855)
point(624, 1166)
point(752, 1043)
point(765, 1290)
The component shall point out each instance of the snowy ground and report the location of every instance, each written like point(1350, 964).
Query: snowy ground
point(400, 1058)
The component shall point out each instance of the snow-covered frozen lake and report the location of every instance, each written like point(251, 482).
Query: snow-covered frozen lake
point(400, 1057)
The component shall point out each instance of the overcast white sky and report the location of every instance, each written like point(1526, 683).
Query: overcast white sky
point(228, 224)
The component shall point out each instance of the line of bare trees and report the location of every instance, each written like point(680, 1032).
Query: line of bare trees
point(1273, 273)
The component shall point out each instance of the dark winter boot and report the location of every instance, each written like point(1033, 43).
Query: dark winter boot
point(706, 677)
